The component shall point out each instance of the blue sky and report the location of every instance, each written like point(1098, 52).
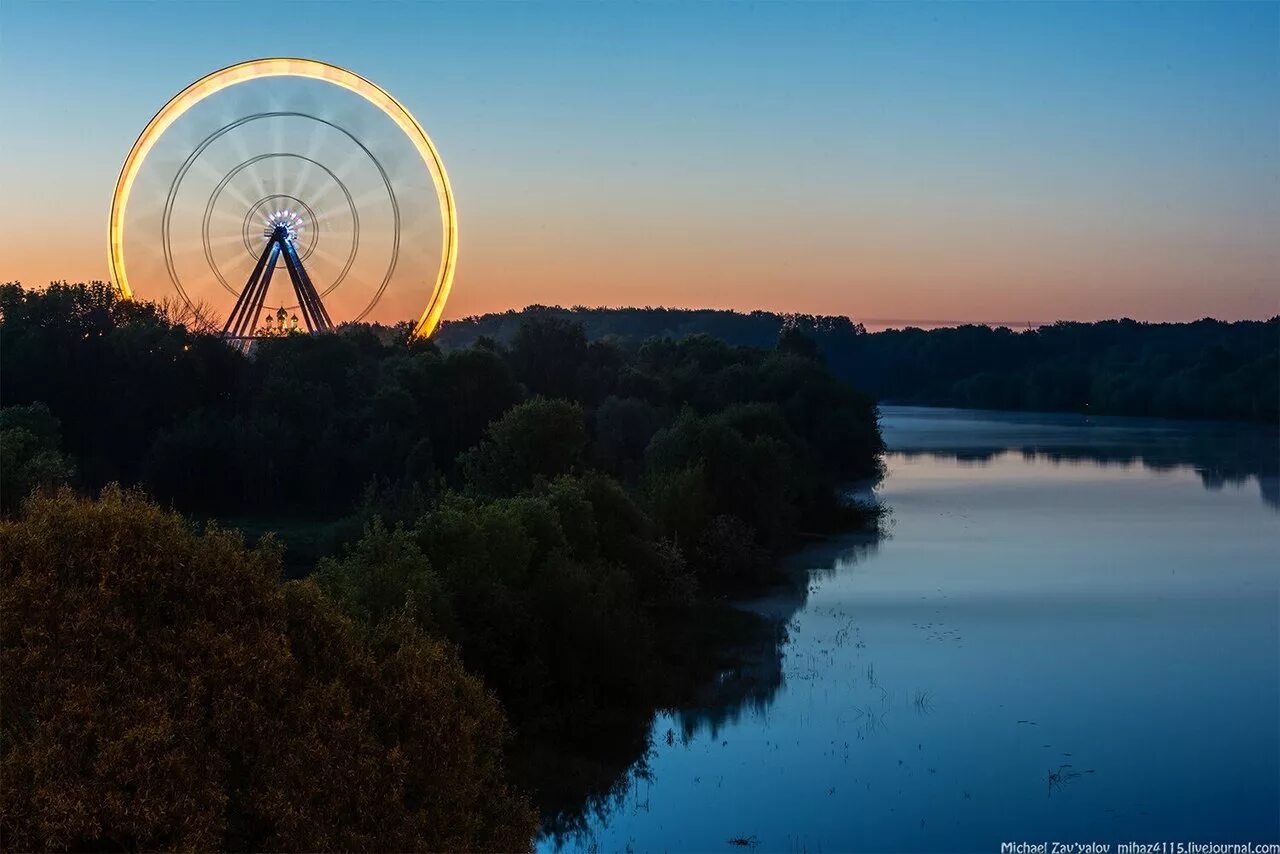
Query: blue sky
point(974, 161)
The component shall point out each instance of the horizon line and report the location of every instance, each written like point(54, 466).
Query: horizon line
point(864, 321)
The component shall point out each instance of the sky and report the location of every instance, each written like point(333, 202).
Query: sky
point(987, 162)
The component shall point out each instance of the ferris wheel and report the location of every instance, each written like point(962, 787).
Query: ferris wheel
point(285, 195)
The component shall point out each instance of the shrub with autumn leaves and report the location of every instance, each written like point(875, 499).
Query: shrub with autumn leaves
point(160, 688)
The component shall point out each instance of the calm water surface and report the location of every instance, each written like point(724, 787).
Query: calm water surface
point(1070, 632)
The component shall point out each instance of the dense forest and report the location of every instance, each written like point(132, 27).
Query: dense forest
point(504, 557)
point(1205, 369)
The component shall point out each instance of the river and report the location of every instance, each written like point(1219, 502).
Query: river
point(1070, 631)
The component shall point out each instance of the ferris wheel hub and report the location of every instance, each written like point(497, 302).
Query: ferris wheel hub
point(286, 223)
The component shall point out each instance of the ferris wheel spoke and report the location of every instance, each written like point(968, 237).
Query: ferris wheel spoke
point(226, 240)
point(362, 198)
point(329, 257)
point(239, 145)
point(375, 199)
point(309, 154)
point(227, 212)
point(278, 147)
point(202, 168)
point(335, 211)
point(239, 148)
point(309, 182)
point(224, 220)
point(343, 171)
point(333, 200)
point(214, 177)
point(328, 205)
point(238, 194)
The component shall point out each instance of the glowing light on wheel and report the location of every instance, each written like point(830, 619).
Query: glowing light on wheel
point(258, 156)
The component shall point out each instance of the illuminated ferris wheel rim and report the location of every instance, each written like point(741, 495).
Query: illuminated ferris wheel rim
point(315, 70)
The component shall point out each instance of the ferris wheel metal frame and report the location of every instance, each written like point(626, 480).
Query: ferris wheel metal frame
point(279, 237)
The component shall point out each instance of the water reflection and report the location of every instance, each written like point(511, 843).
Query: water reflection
point(1221, 454)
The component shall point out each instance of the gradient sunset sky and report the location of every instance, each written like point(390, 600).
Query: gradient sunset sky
point(966, 162)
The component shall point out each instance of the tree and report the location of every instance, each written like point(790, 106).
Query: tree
point(30, 453)
point(750, 476)
point(162, 689)
point(546, 353)
point(623, 428)
point(537, 439)
point(793, 341)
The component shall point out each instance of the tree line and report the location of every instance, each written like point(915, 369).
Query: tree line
point(518, 537)
point(1206, 369)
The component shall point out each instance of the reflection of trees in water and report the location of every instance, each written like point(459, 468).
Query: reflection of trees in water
point(749, 685)
point(839, 556)
point(754, 681)
point(745, 676)
point(1220, 457)
point(708, 677)
point(591, 788)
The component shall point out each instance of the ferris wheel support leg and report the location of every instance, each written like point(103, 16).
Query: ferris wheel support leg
point(318, 308)
point(249, 286)
point(255, 309)
point(249, 305)
point(292, 264)
point(313, 310)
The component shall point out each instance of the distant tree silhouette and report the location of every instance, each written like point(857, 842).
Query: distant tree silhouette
point(1205, 369)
